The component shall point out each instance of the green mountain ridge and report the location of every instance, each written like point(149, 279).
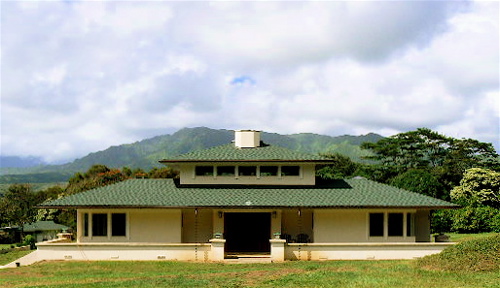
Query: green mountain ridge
point(145, 154)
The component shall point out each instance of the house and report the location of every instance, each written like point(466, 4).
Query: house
point(40, 230)
point(44, 230)
point(247, 198)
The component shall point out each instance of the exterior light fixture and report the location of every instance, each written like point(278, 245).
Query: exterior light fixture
point(299, 212)
point(196, 211)
point(219, 214)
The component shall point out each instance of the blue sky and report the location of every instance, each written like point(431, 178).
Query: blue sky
point(80, 76)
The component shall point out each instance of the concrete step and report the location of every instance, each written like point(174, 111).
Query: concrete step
point(247, 258)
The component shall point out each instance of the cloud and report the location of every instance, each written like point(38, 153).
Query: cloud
point(79, 76)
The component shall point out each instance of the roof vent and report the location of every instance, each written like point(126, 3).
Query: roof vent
point(246, 138)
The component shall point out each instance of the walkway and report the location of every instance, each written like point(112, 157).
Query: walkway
point(23, 261)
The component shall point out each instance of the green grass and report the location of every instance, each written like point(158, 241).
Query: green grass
point(457, 237)
point(11, 256)
point(288, 274)
point(5, 246)
point(407, 273)
point(478, 254)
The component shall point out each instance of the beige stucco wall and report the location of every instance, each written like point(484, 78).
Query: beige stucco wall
point(197, 225)
point(422, 226)
point(143, 225)
point(307, 177)
point(340, 226)
point(124, 251)
point(346, 225)
point(361, 251)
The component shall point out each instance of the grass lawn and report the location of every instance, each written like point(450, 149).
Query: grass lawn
point(5, 246)
point(456, 237)
point(288, 274)
point(11, 256)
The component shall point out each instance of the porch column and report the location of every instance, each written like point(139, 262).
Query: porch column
point(217, 249)
point(277, 250)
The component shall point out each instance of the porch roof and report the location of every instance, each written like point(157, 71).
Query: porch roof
point(164, 193)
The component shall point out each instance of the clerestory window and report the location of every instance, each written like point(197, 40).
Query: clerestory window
point(290, 170)
point(268, 170)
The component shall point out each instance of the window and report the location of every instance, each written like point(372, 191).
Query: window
point(395, 222)
point(247, 170)
point(99, 224)
point(225, 171)
point(86, 224)
point(290, 170)
point(268, 170)
point(118, 224)
point(204, 170)
point(376, 224)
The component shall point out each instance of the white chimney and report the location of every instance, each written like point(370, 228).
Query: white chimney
point(246, 138)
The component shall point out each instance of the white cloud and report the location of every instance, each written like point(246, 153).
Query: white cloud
point(80, 76)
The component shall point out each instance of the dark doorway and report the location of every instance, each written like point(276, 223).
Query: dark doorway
point(247, 232)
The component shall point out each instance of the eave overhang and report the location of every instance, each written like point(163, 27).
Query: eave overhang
point(189, 161)
point(241, 207)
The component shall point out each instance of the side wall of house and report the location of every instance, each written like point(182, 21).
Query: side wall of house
point(422, 226)
point(332, 226)
point(140, 226)
point(347, 226)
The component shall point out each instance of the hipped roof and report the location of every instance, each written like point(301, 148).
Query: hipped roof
point(164, 193)
point(231, 153)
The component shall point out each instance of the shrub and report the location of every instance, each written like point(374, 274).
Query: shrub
point(482, 254)
point(441, 221)
point(29, 240)
point(467, 220)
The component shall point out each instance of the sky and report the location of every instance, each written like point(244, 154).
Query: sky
point(80, 76)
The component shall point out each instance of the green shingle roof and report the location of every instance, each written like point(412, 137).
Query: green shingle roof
point(44, 226)
point(352, 193)
point(229, 152)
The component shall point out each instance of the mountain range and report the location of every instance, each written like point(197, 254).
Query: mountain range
point(146, 153)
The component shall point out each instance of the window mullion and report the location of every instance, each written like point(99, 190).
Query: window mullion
point(91, 225)
point(386, 225)
point(110, 229)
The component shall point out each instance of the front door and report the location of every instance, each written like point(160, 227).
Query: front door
point(247, 232)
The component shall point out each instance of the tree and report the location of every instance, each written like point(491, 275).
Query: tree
point(18, 205)
point(343, 167)
point(164, 172)
point(478, 187)
point(420, 181)
point(96, 176)
point(422, 148)
point(445, 157)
